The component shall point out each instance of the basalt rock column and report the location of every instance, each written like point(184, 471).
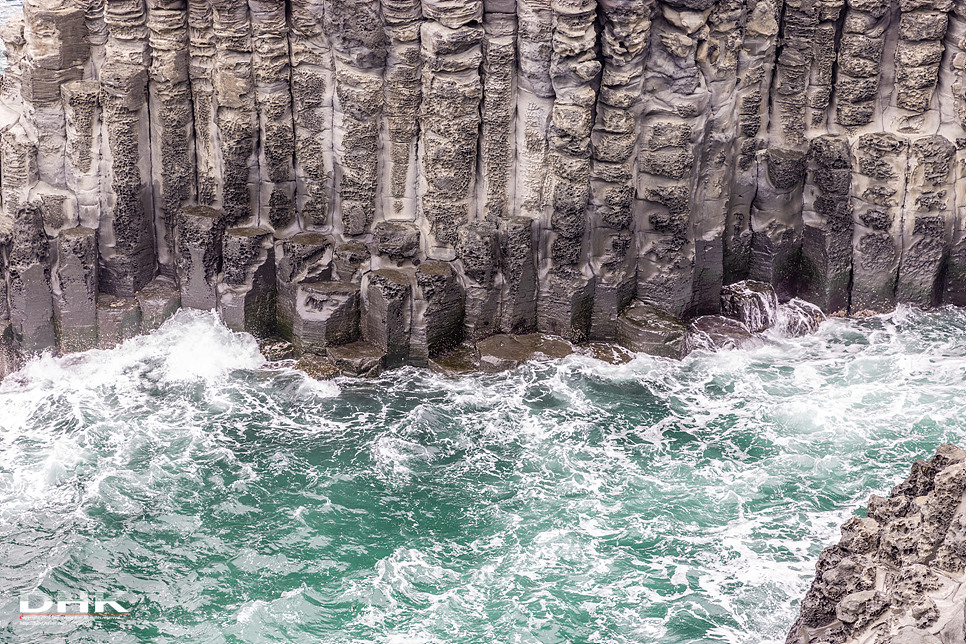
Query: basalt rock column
point(717, 57)
point(922, 27)
point(437, 311)
point(675, 112)
point(172, 122)
point(827, 250)
point(74, 282)
point(201, 64)
point(55, 50)
point(478, 248)
point(236, 150)
point(519, 297)
point(821, 71)
point(313, 84)
point(928, 220)
point(306, 257)
point(199, 256)
point(756, 61)
point(247, 294)
point(19, 165)
point(83, 116)
point(860, 60)
point(273, 97)
point(387, 313)
point(450, 122)
point(31, 306)
point(126, 232)
point(326, 315)
point(878, 189)
point(625, 38)
point(776, 220)
point(357, 33)
point(403, 96)
point(565, 301)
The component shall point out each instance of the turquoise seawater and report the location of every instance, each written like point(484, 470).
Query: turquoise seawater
point(565, 501)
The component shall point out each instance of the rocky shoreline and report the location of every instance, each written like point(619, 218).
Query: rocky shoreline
point(413, 175)
point(898, 575)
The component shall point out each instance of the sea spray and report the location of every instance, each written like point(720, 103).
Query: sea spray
point(222, 498)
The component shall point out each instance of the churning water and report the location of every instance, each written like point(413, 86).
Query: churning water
point(569, 501)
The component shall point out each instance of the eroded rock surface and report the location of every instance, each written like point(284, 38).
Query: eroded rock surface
point(896, 575)
point(511, 166)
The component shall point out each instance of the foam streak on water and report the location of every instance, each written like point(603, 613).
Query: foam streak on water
point(570, 501)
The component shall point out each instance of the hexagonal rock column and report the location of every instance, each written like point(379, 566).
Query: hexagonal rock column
point(31, 306)
point(478, 250)
point(647, 329)
point(437, 311)
point(387, 313)
point(519, 296)
point(326, 314)
point(306, 257)
point(159, 300)
point(9, 362)
point(199, 256)
point(827, 218)
point(74, 282)
point(118, 319)
point(126, 232)
point(247, 295)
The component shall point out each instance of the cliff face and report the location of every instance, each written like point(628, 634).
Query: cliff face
point(413, 173)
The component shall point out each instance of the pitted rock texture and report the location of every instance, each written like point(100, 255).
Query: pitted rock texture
point(896, 575)
point(523, 166)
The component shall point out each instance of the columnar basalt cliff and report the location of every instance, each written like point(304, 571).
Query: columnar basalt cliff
point(400, 176)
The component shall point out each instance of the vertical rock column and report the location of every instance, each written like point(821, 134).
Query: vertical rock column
point(672, 128)
point(625, 38)
point(878, 189)
point(273, 97)
point(403, 92)
point(927, 221)
point(246, 294)
point(827, 216)
point(860, 62)
point(313, 83)
point(565, 302)
point(819, 93)
point(359, 44)
point(449, 125)
point(126, 233)
point(756, 62)
point(11, 82)
point(201, 64)
point(56, 49)
point(800, 22)
point(83, 116)
point(75, 289)
point(922, 28)
point(199, 256)
point(717, 58)
point(31, 306)
point(952, 95)
point(236, 117)
point(172, 123)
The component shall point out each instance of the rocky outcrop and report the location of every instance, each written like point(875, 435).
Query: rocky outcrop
point(449, 171)
point(896, 575)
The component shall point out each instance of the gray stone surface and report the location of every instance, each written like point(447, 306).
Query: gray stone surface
point(75, 290)
point(326, 314)
point(896, 575)
point(159, 300)
point(118, 319)
point(646, 329)
point(553, 162)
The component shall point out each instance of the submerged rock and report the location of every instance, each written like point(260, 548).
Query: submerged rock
point(716, 332)
point(646, 329)
point(896, 576)
point(753, 303)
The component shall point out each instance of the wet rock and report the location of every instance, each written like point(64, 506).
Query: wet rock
point(303, 257)
point(753, 303)
point(9, 360)
point(118, 319)
point(501, 352)
point(159, 300)
point(275, 349)
point(74, 282)
point(647, 329)
point(317, 367)
point(358, 359)
point(458, 361)
point(437, 312)
point(387, 314)
point(326, 314)
point(717, 333)
point(797, 318)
